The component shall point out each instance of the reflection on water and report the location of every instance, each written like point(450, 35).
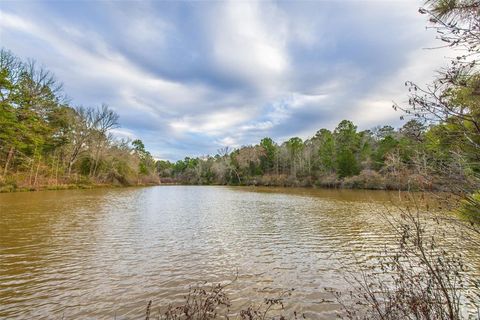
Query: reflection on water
point(96, 253)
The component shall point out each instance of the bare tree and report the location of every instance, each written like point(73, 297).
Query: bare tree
point(104, 119)
point(81, 129)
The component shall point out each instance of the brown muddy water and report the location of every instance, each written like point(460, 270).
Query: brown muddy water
point(102, 253)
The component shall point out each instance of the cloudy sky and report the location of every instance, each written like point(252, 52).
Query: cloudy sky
point(190, 77)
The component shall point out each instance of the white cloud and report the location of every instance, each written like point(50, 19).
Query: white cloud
point(249, 41)
point(420, 67)
point(227, 142)
point(94, 64)
point(232, 72)
point(8, 21)
point(262, 126)
point(299, 100)
point(213, 123)
point(123, 133)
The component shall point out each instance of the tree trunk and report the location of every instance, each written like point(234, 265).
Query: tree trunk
point(9, 157)
point(36, 172)
point(97, 159)
point(93, 169)
point(31, 172)
point(56, 171)
point(238, 176)
point(31, 168)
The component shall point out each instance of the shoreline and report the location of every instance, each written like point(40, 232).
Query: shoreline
point(73, 186)
point(13, 189)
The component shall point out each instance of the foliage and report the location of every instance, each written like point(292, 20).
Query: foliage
point(412, 157)
point(470, 208)
point(45, 141)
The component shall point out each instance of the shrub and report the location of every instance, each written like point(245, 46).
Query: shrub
point(367, 179)
point(208, 302)
point(417, 280)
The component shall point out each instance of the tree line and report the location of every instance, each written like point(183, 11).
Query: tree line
point(410, 157)
point(45, 141)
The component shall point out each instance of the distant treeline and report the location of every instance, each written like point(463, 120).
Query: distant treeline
point(380, 158)
point(45, 142)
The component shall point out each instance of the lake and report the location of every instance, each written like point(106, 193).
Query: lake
point(106, 252)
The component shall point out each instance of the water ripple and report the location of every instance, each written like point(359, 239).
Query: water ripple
point(100, 253)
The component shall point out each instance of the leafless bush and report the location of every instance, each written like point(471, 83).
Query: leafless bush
point(201, 303)
point(206, 302)
point(417, 280)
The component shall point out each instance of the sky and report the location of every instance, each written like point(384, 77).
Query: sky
point(191, 77)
